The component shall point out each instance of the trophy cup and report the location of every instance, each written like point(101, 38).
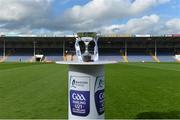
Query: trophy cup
point(87, 49)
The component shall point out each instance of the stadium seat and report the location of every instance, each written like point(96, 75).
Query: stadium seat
point(139, 57)
point(19, 58)
point(54, 58)
point(114, 58)
point(166, 57)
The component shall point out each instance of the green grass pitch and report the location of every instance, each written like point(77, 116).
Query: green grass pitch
point(133, 90)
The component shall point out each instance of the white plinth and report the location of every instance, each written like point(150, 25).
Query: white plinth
point(86, 89)
point(87, 63)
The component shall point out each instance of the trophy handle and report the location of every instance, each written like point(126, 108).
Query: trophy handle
point(78, 50)
point(96, 52)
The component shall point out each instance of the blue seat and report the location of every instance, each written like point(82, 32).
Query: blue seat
point(113, 58)
point(140, 58)
point(19, 58)
point(166, 57)
point(54, 58)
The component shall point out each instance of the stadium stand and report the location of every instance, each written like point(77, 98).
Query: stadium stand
point(116, 47)
point(106, 57)
point(166, 57)
point(52, 54)
point(54, 57)
point(18, 55)
point(19, 58)
point(110, 54)
point(139, 57)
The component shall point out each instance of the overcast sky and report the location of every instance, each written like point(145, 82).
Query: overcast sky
point(52, 17)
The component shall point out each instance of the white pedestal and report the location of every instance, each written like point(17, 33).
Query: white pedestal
point(86, 89)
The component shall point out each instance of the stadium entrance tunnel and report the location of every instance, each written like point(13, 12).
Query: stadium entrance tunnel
point(39, 58)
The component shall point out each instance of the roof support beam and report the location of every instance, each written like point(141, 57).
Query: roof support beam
point(4, 49)
point(34, 46)
point(125, 47)
point(155, 46)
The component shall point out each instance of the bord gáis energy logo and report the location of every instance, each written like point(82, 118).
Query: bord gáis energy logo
point(99, 94)
point(73, 83)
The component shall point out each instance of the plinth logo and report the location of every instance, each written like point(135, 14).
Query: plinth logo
point(99, 94)
point(80, 95)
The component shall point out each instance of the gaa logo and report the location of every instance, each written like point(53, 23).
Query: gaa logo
point(101, 95)
point(78, 97)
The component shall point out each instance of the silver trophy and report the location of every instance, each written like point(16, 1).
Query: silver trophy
point(87, 49)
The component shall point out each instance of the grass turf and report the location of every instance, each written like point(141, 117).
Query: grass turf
point(133, 90)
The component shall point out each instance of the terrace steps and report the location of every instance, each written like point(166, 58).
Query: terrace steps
point(155, 58)
point(7, 55)
point(32, 59)
point(125, 58)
